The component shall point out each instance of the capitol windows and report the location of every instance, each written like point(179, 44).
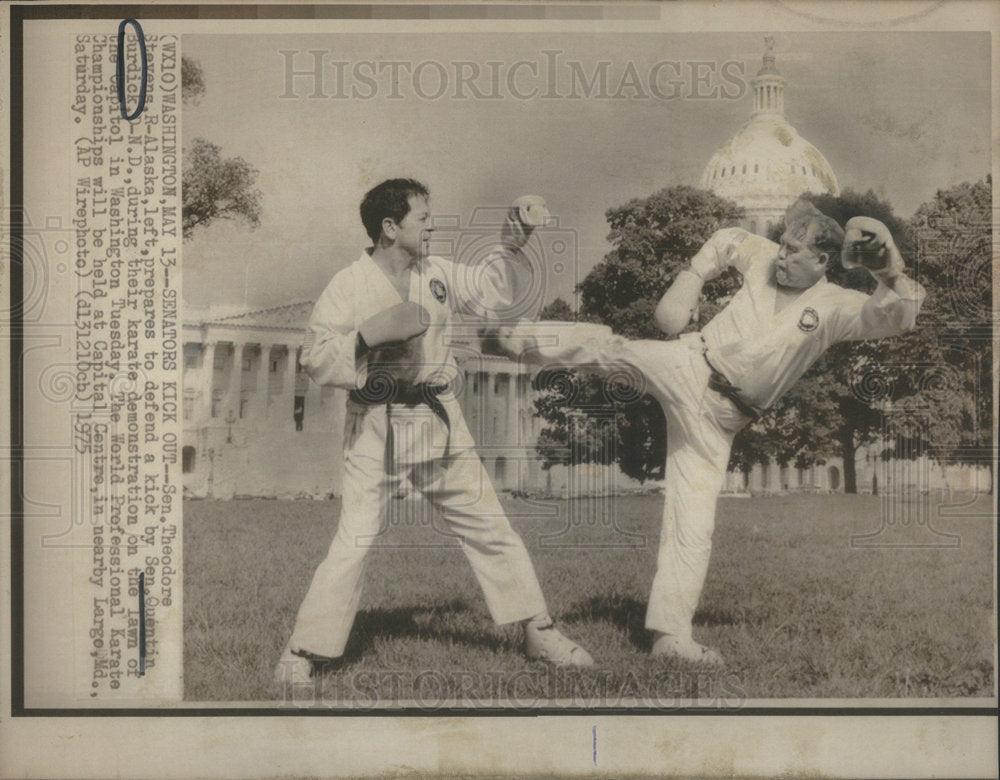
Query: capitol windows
point(723, 173)
point(216, 402)
point(744, 167)
point(244, 405)
point(190, 359)
point(755, 167)
point(246, 364)
point(733, 171)
point(753, 226)
point(803, 170)
point(274, 367)
point(188, 406)
point(219, 361)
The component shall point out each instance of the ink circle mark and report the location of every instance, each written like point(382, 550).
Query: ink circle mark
point(120, 69)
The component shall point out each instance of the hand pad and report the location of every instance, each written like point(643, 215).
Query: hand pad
point(397, 323)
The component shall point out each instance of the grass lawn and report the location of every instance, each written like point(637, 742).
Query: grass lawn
point(794, 607)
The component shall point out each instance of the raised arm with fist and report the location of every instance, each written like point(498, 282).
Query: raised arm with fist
point(868, 244)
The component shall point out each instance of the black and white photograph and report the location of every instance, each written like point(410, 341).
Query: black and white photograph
point(622, 373)
point(516, 337)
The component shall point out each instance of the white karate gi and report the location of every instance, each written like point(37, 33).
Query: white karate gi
point(439, 458)
point(757, 350)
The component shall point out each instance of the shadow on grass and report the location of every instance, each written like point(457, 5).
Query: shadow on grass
point(417, 622)
point(628, 614)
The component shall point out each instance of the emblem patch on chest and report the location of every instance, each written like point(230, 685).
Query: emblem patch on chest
point(438, 291)
point(809, 319)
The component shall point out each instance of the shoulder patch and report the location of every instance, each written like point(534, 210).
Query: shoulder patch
point(438, 290)
point(809, 319)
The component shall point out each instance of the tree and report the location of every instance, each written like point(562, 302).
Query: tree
point(604, 420)
point(954, 258)
point(216, 188)
point(192, 80)
point(653, 238)
point(213, 187)
point(558, 311)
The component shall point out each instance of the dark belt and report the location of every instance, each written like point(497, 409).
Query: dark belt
point(721, 385)
point(381, 391)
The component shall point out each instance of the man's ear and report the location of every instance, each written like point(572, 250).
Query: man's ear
point(824, 258)
point(389, 228)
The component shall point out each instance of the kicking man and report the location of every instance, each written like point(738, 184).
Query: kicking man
point(713, 383)
point(379, 331)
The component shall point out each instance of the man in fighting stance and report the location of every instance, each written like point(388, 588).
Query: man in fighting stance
point(713, 383)
point(379, 330)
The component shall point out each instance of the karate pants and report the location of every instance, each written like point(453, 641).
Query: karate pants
point(458, 486)
point(701, 425)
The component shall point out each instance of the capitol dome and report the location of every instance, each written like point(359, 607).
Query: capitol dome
point(767, 164)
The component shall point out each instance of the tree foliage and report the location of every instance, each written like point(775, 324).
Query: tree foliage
point(954, 258)
point(558, 310)
point(192, 80)
point(217, 188)
point(652, 239)
point(213, 187)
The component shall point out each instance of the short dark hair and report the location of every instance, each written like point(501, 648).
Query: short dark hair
point(828, 236)
point(389, 199)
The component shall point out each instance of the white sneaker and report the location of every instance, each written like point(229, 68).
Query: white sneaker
point(687, 650)
point(546, 643)
point(297, 673)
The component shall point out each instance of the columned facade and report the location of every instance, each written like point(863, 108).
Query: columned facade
point(256, 425)
point(253, 423)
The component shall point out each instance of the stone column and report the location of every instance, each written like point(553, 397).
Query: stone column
point(490, 406)
point(513, 415)
point(207, 372)
point(314, 412)
point(263, 375)
point(235, 380)
point(286, 402)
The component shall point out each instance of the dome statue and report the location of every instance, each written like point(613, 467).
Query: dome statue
point(767, 164)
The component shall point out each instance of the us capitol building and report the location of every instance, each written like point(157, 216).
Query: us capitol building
point(256, 425)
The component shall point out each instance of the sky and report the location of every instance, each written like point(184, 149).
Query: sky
point(904, 114)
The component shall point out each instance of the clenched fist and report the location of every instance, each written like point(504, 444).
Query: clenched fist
point(868, 244)
point(525, 214)
point(397, 323)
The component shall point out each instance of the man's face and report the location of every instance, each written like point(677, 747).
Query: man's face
point(415, 228)
point(799, 263)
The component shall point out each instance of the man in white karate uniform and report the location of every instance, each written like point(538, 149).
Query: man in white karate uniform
point(379, 330)
point(711, 384)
